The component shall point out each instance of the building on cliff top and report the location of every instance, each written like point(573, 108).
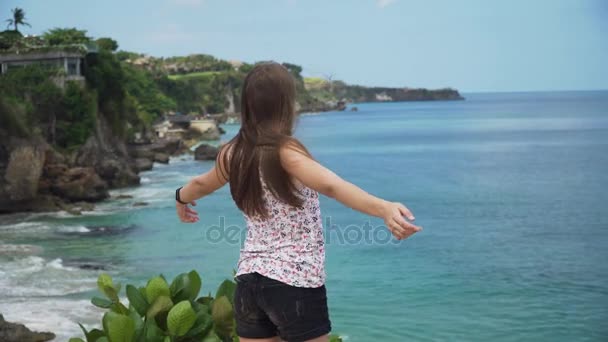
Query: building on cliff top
point(69, 59)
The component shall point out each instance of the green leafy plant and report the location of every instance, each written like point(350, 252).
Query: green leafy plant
point(163, 312)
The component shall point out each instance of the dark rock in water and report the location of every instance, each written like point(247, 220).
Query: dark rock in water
point(143, 164)
point(161, 158)
point(222, 130)
point(140, 204)
point(15, 332)
point(80, 184)
point(123, 197)
point(86, 265)
point(354, 109)
point(206, 152)
point(92, 267)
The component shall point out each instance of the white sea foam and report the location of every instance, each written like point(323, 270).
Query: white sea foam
point(27, 226)
point(58, 315)
point(180, 159)
point(74, 229)
point(12, 250)
point(62, 214)
point(36, 276)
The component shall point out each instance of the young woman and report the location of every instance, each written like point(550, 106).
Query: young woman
point(275, 182)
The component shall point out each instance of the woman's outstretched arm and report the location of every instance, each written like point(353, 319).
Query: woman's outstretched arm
point(317, 177)
point(199, 187)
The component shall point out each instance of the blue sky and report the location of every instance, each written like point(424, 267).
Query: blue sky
point(472, 45)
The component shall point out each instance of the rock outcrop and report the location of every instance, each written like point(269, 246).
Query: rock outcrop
point(108, 155)
point(206, 152)
point(21, 167)
point(24, 169)
point(162, 158)
point(144, 164)
point(36, 177)
point(79, 184)
point(145, 155)
point(15, 332)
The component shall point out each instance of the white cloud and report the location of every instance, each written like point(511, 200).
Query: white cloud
point(384, 3)
point(189, 3)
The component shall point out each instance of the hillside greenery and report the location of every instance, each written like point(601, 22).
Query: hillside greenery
point(131, 91)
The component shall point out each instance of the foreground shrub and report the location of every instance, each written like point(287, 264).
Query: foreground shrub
point(163, 312)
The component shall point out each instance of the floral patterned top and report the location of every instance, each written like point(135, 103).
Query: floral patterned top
point(288, 246)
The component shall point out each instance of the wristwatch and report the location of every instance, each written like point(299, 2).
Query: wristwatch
point(177, 198)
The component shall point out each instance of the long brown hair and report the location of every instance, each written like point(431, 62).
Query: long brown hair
point(267, 121)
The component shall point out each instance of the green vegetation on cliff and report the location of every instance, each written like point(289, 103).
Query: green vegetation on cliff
point(32, 104)
point(33, 100)
point(131, 91)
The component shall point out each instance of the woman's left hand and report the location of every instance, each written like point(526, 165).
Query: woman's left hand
point(185, 213)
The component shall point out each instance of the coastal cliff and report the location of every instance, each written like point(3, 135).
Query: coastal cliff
point(70, 134)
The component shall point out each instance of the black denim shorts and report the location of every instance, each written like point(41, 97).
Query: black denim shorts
point(266, 308)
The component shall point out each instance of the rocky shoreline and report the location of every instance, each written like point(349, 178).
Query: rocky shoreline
point(38, 178)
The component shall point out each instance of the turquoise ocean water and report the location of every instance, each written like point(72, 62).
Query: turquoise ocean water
point(511, 189)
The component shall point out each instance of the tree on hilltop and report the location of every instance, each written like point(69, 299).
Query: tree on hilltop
point(66, 36)
point(17, 19)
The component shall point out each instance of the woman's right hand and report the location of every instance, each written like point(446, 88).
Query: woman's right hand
point(393, 215)
point(185, 213)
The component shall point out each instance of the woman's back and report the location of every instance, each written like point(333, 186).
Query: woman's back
point(288, 244)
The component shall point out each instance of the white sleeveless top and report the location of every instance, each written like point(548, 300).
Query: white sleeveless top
point(288, 246)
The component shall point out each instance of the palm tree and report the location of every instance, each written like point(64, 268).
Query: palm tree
point(18, 19)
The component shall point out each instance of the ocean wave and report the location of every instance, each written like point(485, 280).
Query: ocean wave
point(23, 225)
point(73, 229)
point(152, 194)
point(36, 276)
point(181, 159)
point(62, 214)
point(12, 250)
